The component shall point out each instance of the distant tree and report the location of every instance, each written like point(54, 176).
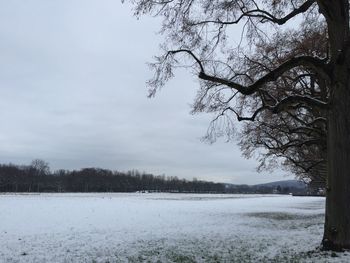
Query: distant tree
point(286, 190)
point(279, 189)
point(9, 177)
point(260, 78)
point(40, 166)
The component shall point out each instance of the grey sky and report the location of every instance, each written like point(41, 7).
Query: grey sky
point(72, 76)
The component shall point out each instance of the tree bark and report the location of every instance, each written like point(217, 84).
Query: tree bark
point(337, 221)
point(337, 224)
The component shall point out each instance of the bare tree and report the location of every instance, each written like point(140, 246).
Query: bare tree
point(40, 166)
point(290, 68)
point(40, 169)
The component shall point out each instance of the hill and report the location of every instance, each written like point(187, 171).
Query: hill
point(279, 187)
point(285, 183)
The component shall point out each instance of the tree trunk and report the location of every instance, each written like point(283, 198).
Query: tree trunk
point(337, 224)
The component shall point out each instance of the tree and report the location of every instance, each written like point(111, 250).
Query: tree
point(40, 169)
point(279, 189)
point(288, 79)
point(40, 166)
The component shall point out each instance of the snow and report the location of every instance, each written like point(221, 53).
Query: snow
point(161, 227)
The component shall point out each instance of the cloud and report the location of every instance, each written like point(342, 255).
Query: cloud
point(72, 78)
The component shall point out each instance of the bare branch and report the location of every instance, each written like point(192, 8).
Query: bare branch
point(263, 15)
point(303, 61)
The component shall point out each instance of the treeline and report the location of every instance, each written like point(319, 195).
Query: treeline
point(38, 178)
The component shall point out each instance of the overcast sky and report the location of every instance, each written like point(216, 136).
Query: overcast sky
point(72, 77)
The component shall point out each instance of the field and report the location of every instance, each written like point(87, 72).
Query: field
point(161, 228)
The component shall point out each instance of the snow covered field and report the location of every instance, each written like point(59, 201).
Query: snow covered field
point(161, 228)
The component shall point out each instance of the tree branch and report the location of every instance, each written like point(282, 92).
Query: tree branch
point(263, 15)
point(306, 61)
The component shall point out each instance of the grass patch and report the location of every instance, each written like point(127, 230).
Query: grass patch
point(280, 216)
point(235, 250)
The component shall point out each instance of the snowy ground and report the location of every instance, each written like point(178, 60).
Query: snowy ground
point(161, 228)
